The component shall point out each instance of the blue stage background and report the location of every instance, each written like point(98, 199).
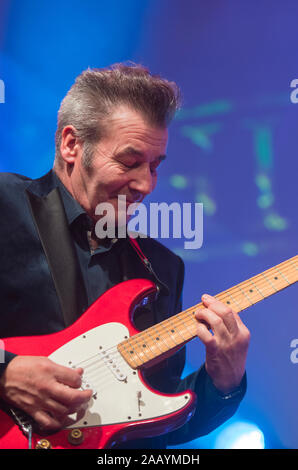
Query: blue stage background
point(233, 147)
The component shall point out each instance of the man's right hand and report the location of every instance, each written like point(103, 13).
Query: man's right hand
point(43, 389)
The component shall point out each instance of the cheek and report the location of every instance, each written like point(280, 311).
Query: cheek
point(104, 176)
point(109, 186)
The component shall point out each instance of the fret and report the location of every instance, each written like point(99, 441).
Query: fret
point(150, 343)
point(248, 290)
point(191, 320)
point(181, 328)
point(244, 293)
point(174, 334)
point(287, 270)
point(158, 338)
point(270, 285)
point(130, 354)
point(141, 353)
point(140, 344)
point(238, 308)
point(293, 264)
point(166, 335)
point(174, 330)
point(169, 334)
point(172, 320)
point(254, 292)
point(269, 282)
point(282, 276)
point(257, 289)
point(191, 323)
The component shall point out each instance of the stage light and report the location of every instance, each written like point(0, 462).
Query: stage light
point(240, 435)
point(178, 181)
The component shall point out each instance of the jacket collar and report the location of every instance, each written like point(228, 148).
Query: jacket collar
point(44, 185)
point(48, 212)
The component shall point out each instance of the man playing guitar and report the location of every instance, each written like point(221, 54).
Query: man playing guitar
point(111, 137)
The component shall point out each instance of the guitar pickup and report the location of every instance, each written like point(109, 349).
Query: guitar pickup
point(111, 362)
point(87, 385)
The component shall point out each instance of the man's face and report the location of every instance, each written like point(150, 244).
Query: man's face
point(124, 163)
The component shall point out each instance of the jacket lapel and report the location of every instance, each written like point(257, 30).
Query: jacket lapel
point(50, 219)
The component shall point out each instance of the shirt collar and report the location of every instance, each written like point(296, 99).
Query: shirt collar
point(72, 208)
point(77, 216)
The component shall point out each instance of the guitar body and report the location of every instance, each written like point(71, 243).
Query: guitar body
point(123, 406)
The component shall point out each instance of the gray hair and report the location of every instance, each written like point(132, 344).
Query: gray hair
point(96, 93)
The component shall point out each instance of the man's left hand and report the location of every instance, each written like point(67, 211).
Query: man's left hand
point(226, 340)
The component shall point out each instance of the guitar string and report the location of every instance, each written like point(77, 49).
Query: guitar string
point(103, 379)
point(113, 350)
point(97, 369)
point(100, 378)
point(220, 297)
point(192, 319)
point(185, 312)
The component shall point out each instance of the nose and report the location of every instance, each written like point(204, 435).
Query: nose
point(142, 181)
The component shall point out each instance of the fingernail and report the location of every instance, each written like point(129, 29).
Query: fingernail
point(206, 297)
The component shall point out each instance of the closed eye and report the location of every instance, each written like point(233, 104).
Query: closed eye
point(131, 158)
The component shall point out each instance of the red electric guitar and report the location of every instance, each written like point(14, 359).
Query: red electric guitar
point(112, 353)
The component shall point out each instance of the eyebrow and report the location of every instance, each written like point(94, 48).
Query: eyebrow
point(138, 153)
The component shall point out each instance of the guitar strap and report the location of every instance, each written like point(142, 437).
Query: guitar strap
point(161, 287)
point(52, 227)
point(50, 220)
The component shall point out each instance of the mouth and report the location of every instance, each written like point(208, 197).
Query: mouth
point(135, 201)
point(128, 201)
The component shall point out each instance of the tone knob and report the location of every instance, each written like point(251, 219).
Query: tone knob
point(75, 437)
point(43, 444)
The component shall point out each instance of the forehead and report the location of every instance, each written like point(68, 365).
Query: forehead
point(127, 125)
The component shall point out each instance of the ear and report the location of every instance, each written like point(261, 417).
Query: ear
point(71, 147)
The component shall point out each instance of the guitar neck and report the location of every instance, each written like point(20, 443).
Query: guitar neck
point(168, 335)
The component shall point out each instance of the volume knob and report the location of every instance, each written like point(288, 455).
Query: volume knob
point(75, 437)
point(43, 444)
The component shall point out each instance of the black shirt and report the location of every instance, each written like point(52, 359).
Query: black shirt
point(101, 268)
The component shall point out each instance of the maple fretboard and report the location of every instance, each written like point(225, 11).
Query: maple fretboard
point(163, 337)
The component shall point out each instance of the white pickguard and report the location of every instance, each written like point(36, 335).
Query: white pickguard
point(119, 395)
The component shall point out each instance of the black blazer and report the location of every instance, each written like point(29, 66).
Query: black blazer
point(35, 298)
point(31, 301)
